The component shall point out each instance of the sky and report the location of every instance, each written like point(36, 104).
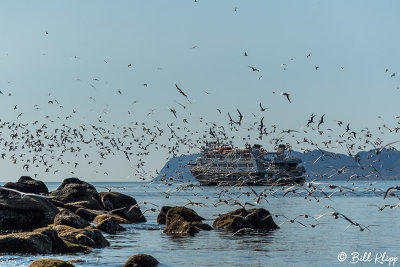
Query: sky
point(78, 52)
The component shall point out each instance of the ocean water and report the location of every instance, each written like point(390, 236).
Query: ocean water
point(293, 244)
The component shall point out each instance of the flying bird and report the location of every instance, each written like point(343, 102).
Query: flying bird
point(287, 96)
point(253, 69)
point(379, 150)
point(390, 189)
point(261, 126)
point(230, 119)
point(262, 108)
point(23, 194)
point(240, 117)
point(182, 93)
point(173, 112)
point(311, 120)
point(321, 120)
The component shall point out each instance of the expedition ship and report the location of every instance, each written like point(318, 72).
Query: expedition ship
point(224, 165)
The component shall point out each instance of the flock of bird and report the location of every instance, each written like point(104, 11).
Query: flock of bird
point(53, 144)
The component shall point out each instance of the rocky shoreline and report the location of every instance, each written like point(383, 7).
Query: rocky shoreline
point(72, 218)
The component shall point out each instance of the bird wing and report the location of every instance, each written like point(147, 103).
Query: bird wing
point(389, 144)
point(180, 91)
point(37, 195)
point(13, 190)
point(388, 190)
point(111, 211)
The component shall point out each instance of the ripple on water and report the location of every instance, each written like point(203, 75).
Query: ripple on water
point(291, 245)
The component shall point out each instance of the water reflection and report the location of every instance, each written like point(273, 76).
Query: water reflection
point(291, 245)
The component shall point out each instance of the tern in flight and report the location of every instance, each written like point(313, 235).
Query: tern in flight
point(23, 194)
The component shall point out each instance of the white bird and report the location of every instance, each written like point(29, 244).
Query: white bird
point(23, 194)
point(110, 212)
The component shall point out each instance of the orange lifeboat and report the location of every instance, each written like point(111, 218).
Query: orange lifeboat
point(223, 148)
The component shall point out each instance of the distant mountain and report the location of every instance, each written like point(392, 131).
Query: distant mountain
point(318, 164)
point(176, 170)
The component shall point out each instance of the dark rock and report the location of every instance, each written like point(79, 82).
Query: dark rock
point(186, 213)
point(57, 244)
point(88, 214)
point(162, 215)
point(88, 236)
point(84, 240)
point(74, 194)
point(65, 217)
point(177, 225)
point(116, 200)
point(141, 260)
point(103, 217)
point(257, 219)
point(44, 240)
point(58, 203)
point(26, 213)
point(50, 263)
point(110, 226)
point(28, 185)
point(261, 219)
point(184, 221)
point(203, 226)
point(133, 214)
point(26, 243)
point(91, 204)
point(60, 245)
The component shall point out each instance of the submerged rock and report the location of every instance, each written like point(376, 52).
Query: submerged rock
point(186, 213)
point(109, 225)
point(259, 220)
point(161, 218)
point(184, 221)
point(27, 184)
point(27, 243)
point(89, 236)
point(74, 194)
point(103, 217)
point(141, 260)
point(179, 226)
point(26, 213)
point(128, 205)
point(41, 241)
point(57, 244)
point(65, 217)
point(50, 263)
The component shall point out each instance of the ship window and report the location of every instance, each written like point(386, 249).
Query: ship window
point(292, 165)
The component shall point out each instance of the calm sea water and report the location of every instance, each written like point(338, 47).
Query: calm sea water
point(291, 245)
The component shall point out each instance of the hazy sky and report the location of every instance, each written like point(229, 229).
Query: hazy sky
point(82, 61)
